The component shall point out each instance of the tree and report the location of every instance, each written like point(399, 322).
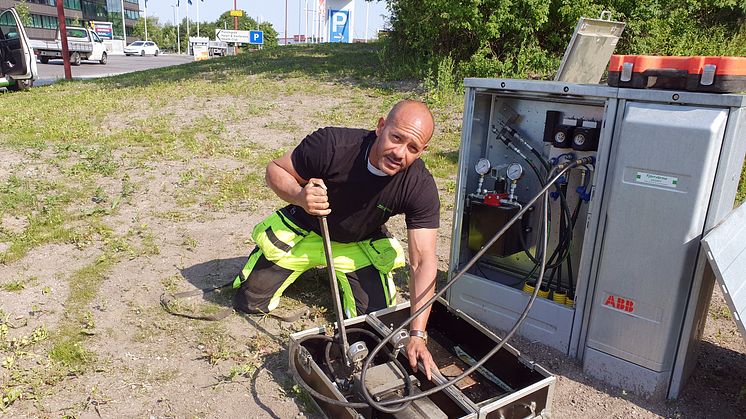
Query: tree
point(23, 12)
point(155, 31)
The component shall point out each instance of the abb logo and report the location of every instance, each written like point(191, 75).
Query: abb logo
point(620, 303)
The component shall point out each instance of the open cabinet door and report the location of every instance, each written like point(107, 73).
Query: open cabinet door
point(17, 60)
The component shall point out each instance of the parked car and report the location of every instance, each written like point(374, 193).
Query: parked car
point(17, 62)
point(141, 48)
point(82, 44)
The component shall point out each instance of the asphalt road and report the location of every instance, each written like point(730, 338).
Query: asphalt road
point(117, 64)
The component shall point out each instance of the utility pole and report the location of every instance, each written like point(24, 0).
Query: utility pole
point(286, 22)
point(63, 40)
point(235, 18)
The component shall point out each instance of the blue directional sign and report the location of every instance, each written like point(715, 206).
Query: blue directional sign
point(339, 28)
point(256, 37)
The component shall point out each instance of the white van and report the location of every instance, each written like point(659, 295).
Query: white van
point(17, 61)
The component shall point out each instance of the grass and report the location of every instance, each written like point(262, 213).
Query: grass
point(13, 286)
point(199, 136)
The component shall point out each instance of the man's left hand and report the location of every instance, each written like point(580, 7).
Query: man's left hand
point(417, 350)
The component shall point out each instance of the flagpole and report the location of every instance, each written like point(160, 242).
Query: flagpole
point(187, 33)
point(198, 17)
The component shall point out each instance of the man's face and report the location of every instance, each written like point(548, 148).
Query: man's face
point(401, 140)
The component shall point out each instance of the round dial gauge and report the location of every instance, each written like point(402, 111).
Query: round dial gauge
point(482, 166)
point(579, 139)
point(515, 171)
point(559, 137)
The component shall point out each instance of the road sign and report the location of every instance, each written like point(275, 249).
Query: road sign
point(256, 37)
point(229, 35)
point(240, 37)
point(339, 29)
point(237, 13)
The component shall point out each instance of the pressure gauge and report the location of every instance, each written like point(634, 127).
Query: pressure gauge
point(560, 137)
point(579, 139)
point(515, 171)
point(482, 166)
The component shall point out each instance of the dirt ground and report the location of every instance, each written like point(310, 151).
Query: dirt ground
point(147, 363)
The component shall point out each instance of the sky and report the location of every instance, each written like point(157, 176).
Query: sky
point(272, 11)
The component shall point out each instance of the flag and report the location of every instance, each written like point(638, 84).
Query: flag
point(177, 3)
point(146, 3)
point(190, 2)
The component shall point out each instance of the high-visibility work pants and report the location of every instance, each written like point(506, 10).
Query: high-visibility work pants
point(284, 251)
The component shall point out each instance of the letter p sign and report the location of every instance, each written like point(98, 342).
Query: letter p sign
point(338, 27)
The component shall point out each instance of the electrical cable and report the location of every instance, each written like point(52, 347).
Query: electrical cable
point(381, 406)
point(353, 405)
point(562, 168)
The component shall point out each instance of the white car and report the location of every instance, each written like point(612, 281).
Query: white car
point(17, 61)
point(142, 48)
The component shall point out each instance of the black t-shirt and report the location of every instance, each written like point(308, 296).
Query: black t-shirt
point(361, 202)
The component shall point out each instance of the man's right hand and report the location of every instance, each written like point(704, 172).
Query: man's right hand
point(313, 198)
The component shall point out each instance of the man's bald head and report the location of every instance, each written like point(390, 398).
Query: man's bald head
point(402, 136)
point(413, 111)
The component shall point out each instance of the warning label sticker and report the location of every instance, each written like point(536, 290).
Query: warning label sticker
point(658, 180)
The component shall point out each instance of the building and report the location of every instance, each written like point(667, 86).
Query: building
point(43, 19)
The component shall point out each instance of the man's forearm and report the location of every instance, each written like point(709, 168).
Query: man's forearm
point(421, 289)
point(282, 183)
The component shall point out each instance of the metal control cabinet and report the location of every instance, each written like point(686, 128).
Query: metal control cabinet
point(667, 169)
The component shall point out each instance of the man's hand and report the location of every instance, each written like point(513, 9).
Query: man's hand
point(417, 350)
point(313, 198)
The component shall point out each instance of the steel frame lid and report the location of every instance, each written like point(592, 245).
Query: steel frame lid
point(725, 247)
point(590, 48)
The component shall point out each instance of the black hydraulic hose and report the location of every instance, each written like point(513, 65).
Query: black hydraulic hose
point(380, 406)
point(328, 359)
point(519, 137)
point(576, 213)
point(499, 346)
point(353, 405)
point(562, 168)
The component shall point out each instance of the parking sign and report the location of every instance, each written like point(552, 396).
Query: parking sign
point(256, 37)
point(339, 28)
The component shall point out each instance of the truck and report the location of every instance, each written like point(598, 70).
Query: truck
point(17, 64)
point(82, 44)
point(217, 48)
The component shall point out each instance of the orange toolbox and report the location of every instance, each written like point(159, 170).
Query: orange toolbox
point(696, 74)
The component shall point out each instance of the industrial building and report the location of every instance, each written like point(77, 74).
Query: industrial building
point(43, 15)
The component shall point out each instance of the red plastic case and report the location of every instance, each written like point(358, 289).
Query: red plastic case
point(697, 74)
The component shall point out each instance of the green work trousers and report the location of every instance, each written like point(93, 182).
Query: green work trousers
point(284, 251)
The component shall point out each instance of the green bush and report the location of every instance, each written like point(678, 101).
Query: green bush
point(527, 38)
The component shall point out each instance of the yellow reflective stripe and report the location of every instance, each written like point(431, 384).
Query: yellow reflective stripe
point(348, 298)
point(275, 301)
point(247, 268)
point(389, 288)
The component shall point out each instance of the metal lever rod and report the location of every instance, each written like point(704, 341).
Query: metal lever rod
point(335, 288)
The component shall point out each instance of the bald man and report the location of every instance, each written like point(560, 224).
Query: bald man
point(358, 179)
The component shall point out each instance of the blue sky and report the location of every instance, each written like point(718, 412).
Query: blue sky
point(268, 10)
